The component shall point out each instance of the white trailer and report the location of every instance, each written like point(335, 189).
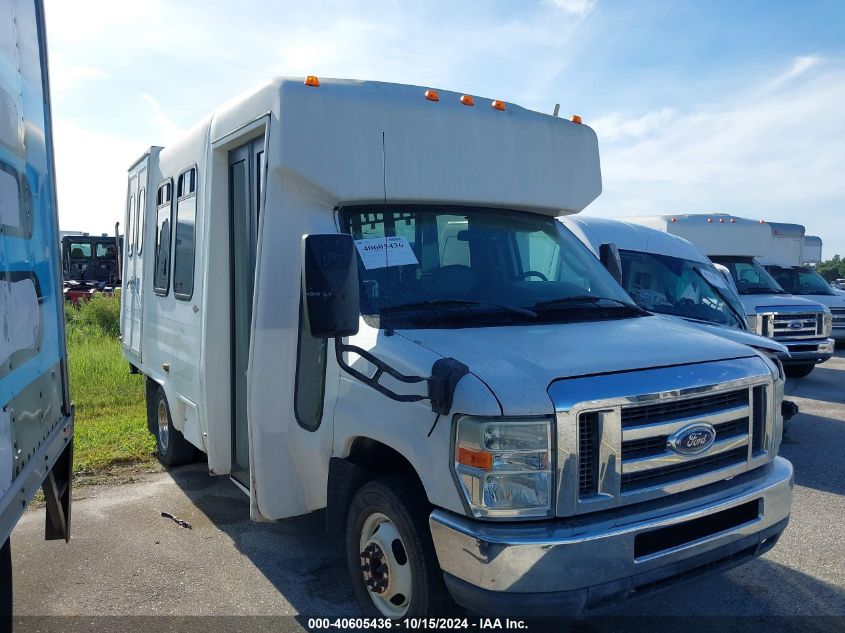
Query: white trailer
point(36, 417)
point(812, 252)
point(801, 323)
point(355, 296)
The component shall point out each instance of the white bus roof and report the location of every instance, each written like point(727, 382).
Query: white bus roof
point(627, 236)
point(359, 142)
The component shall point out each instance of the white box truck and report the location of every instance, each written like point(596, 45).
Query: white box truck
point(354, 296)
point(802, 325)
point(788, 260)
point(36, 418)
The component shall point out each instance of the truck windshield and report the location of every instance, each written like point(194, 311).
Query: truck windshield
point(750, 277)
point(798, 280)
point(680, 287)
point(444, 266)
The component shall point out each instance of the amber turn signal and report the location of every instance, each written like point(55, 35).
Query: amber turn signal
point(475, 458)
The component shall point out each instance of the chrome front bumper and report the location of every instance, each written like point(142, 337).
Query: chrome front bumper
point(567, 566)
point(812, 351)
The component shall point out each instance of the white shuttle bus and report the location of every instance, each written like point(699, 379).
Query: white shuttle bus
point(354, 296)
point(789, 258)
point(804, 326)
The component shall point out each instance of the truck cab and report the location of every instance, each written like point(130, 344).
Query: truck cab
point(803, 326)
point(355, 296)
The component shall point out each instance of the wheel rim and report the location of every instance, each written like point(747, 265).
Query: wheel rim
point(385, 566)
point(163, 427)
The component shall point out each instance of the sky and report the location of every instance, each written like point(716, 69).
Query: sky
point(700, 106)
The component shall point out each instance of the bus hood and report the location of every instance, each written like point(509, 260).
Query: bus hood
point(737, 336)
point(518, 363)
point(755, 304)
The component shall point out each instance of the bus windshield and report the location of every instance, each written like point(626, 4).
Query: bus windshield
point(680, 287)
point(750, 277)
point(798, 280)
point(444, 266)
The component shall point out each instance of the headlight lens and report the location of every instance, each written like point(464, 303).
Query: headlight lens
point(505, 465)
point(828, 323)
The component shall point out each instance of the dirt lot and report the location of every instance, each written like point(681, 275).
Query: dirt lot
point(125, 558)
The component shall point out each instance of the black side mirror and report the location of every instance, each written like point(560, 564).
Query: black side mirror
point(609, 257)
point(330, 285)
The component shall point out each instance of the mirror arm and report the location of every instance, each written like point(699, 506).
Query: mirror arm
point(446, 374)
point(381, 368)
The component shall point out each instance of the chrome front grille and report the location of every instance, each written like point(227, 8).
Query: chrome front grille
point(838, 317)
point(647, 459)
point(614, 431)
point(795, 326)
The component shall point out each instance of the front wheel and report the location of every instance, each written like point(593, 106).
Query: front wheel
point(6, 586)
point(799, 371)
point(391, 558)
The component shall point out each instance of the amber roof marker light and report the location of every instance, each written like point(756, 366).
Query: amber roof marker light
point(312, 81)
point(576, 118)
point(467, 100)
point(498, 105)
point(432, 95)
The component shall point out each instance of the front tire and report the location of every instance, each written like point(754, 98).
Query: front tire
point(390, 555)
point(171, 446)
point(6, 586)
point(799, 371)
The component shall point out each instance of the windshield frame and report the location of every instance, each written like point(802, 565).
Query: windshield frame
point(517, 302)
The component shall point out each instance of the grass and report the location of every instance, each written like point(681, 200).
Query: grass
point(111, 438)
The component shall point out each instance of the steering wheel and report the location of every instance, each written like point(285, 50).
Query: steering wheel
point(532, 273)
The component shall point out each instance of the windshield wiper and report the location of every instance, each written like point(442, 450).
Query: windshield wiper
point(763, 291)
point(459, 302)
point(722, 296)
point(588, 300)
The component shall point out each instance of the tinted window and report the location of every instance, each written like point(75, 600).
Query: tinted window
point(78, 250)
point(750, 277)
point(142, 211)
point(310, 377)
point(183, 253)
point(105, 250)
point(161, 274)
point(800, 281)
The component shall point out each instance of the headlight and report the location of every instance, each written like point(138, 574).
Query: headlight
point(752, 322)
point(505, 465)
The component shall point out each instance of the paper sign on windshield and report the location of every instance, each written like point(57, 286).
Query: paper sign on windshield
point(380, 252)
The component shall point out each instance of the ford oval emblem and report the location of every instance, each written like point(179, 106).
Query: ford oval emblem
point(796, 324)
point(693, 439)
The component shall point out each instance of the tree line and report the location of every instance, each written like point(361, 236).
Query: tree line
point(832, 269)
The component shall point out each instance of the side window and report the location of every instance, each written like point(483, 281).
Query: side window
point(161, 274)
point(453, 251)
point(310, 377)
point(142, 211)
point(183, 253)
point(130, 226)
point(80, 250)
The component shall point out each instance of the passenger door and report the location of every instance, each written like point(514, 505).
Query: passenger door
point(133, 269)
point(246, 183)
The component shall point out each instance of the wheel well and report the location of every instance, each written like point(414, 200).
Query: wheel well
point(367, 460)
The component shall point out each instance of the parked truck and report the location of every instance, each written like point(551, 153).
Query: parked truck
point(802, 325)
point(36, 419)
point(355, 296)
point(90, 264)
point(789, 260)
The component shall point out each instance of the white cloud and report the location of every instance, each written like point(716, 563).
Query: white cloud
point(168, 130)
point(799, 67)
point(765, 154)
point(581, 7)
point(64, 78)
